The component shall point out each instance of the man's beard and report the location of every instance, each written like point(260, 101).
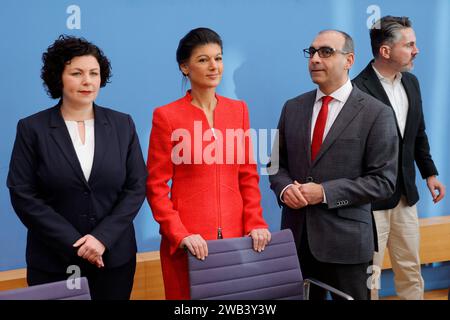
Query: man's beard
point(408, 67)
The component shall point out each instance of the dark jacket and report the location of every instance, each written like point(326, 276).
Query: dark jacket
point(414, 144)
point(55, 202)
point(356, 164)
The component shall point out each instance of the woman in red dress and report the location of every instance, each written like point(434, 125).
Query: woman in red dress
point(199, 144)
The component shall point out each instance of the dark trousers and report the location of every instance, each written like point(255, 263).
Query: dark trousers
point(104, 284)
point(348, 278)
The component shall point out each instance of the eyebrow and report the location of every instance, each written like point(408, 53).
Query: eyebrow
point(79, 69)
point(205, 55)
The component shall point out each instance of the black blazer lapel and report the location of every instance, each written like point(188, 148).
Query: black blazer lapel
point(373, 85)
point(412, 104)
point(350, 109)
point(62, 138)
point(102, 132)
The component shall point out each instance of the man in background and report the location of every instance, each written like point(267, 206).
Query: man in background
point(387, 78)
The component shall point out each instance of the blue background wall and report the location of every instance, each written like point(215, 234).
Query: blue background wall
point(263, 66)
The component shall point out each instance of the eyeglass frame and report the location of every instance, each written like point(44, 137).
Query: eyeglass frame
point(307, 52)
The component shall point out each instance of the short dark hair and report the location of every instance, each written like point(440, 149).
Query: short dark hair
point(61, 52)
point(386, 30)
point(349, 45)
point(194, 38)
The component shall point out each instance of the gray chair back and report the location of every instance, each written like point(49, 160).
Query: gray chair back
point(59, 290)
point(234, 271)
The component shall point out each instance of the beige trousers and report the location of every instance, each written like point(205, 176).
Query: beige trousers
point(398, 230)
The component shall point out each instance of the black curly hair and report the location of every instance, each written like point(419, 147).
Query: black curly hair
point(60, 53)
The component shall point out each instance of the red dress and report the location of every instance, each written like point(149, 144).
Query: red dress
point(205, 197)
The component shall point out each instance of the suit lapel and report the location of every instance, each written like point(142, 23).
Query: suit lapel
point(305, 131)
point(412, 107)
point(62, 138)
point(350, 109)
point(102, 132)
point(376, 90)
point(373, 85)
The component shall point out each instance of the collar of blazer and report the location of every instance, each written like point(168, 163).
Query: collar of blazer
point(349, 111)
point(102, 131)
point(414, 104)
point(373, 85)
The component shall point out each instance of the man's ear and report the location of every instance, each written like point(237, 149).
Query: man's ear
point(385, 52)
point(350, 61)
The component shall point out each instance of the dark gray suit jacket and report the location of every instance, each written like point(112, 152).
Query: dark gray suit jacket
point(413, 147)
point(356, 165)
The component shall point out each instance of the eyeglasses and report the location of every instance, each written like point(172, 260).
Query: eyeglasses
point(324, 52)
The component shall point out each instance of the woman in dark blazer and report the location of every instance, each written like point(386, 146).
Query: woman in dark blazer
point(77, 177)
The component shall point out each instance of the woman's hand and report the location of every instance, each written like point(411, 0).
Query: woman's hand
point(196, 245)
point(90, 249)
point(261, 237)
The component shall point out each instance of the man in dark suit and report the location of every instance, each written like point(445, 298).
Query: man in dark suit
point(337, 154)
point(387, 79)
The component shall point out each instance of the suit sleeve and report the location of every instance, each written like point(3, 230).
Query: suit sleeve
point(25, 191)
point(378, 178)
point(249, 183)
point(131, 197)
point(278, 169)
point(160, 172)
point(422, 148)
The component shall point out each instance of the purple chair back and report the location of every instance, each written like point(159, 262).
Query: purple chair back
point(234, 271)
point(49, 291)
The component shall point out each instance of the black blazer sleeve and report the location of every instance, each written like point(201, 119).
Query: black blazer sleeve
point(422, 154)
point(26, 200)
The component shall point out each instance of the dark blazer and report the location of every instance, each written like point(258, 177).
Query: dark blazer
point(55, 202)
point(356, 165)
point(414, 144)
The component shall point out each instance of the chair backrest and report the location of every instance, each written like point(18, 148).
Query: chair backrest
point(234, 271)
point(50, 291)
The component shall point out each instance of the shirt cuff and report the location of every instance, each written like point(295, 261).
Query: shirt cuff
point(324, 196)
point(282, 191)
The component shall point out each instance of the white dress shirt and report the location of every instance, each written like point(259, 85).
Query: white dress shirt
point(85, 152)
point(397, 97)
point(340, 97)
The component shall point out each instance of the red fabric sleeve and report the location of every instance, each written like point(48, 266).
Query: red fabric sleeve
point(160, 172)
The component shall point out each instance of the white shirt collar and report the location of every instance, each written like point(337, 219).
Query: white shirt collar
point(398, 76)
point(340, 94)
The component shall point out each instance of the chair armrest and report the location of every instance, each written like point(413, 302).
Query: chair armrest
point(307, 284)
